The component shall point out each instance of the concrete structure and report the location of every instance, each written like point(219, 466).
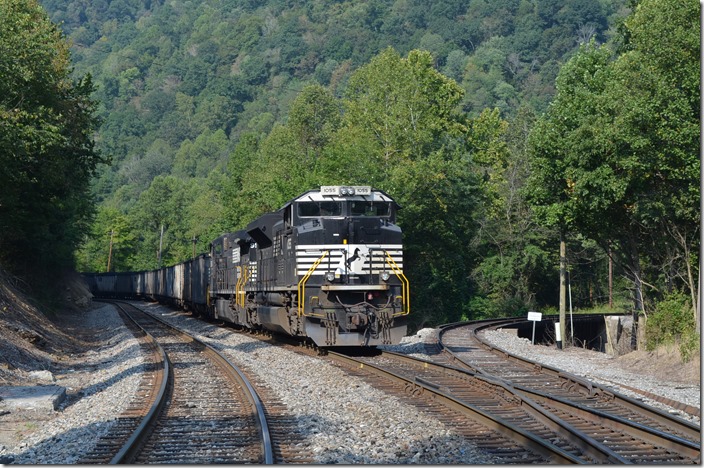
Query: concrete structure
point(42, 398)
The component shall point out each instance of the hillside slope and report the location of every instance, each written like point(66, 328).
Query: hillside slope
point(172, 73)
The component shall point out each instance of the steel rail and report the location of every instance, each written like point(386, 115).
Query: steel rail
point(226, 365)
point(633, 428)
point(589, 445)
point(130, 448)
point(627, 415)
point(543, 447)
point(686, 428)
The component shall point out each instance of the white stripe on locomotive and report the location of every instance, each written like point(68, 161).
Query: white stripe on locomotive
point(307, 255)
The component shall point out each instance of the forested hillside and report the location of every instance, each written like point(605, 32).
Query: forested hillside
point(215, 111)
point(179, 82)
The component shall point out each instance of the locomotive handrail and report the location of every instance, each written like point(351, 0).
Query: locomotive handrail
point(239, 290)
point(405, 288)
point(304, 280)
point(240, 275)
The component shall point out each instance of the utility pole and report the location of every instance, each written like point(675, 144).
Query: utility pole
point(611, 280)
point(161, 239)
point(112, 233)
point(194, 240)
point(563, 285)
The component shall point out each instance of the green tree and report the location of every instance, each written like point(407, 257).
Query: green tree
point(271, 176)
point(196, 159)
point(158, 216)
point(661, 113)
point(47, 155)
point(404, 103)
point(314, 117)
point(513, 264)
point(422, 151)
point(620, 143)
point(236, 168)
point(111, 241)
point(439, 195)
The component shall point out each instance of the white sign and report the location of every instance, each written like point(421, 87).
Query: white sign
point(535, 316)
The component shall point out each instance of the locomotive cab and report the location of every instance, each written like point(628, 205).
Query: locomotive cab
point(327, 265)
point(351, 286)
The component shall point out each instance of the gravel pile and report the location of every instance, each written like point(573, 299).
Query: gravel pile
point(345, 420)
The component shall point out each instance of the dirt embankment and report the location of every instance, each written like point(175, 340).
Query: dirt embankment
point(29, 340)
point(664, 362)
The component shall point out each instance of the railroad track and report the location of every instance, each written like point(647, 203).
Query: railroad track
point(506, 418)
point(194, 407)
point(482, 410)
point(542, 430)
point(637, 432)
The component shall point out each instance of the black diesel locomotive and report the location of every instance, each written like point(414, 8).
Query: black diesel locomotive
point(327, 266)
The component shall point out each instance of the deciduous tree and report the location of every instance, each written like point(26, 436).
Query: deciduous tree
point(47, 154)
point(616, 156)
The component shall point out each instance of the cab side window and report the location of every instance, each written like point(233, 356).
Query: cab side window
point(217, 247)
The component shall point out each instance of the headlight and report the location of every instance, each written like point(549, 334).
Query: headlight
point(330, 276)
point(385, 275)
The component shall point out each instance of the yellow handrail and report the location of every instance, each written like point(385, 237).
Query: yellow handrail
point(239, 287)
point(237, 284)
point(405, 287)
point(302, 284)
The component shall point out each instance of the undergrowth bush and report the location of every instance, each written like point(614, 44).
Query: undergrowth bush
point(673, 322)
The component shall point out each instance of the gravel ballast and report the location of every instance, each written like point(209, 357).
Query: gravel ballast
point(602, 369)
point(99, 387)
point(344, 419)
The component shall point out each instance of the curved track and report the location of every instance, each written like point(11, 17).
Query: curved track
point(637, 432)
point(206, 413)
point(481, 410)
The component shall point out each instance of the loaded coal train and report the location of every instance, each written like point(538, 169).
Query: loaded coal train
point(327, 266)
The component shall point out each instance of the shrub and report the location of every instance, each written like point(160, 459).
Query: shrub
point(673, 322)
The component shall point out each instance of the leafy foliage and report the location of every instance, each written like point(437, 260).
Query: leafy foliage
point(218, 111)
point(620, 143)
point(673, 323)
point(47, 155)
point(399, 130)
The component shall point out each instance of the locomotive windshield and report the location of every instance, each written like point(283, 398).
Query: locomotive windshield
point(336, 208)
point(360, 208)
point(320, 208)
